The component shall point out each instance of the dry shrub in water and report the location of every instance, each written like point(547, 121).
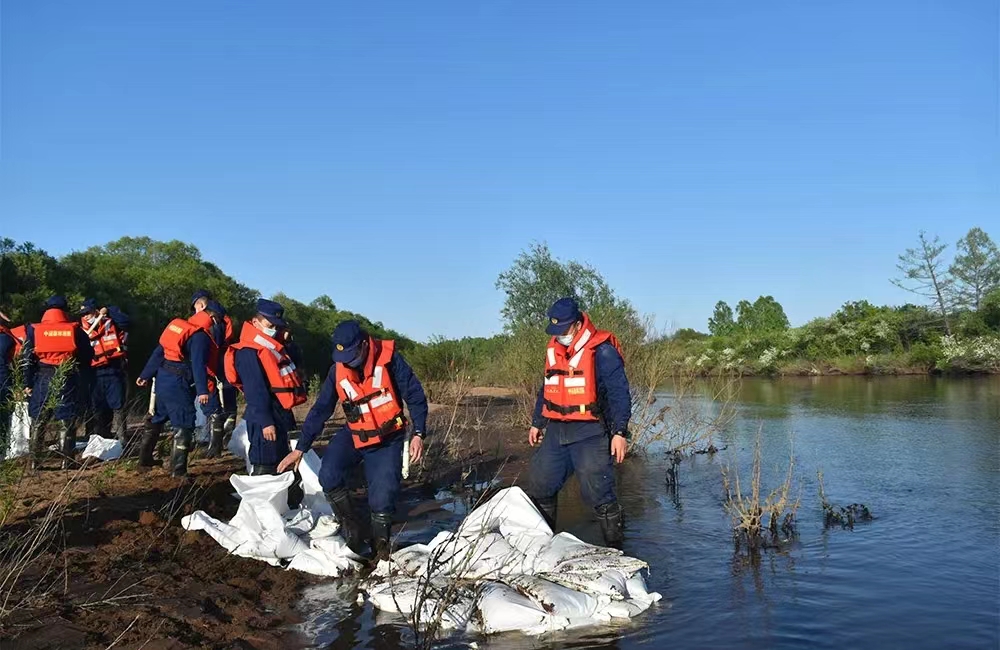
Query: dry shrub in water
point(757, 523)
point(834, 515)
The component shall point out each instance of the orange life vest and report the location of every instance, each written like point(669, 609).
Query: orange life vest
point(229, 328)
point(55, 338)
point(177, 333)
point(570, 393)
point(107, 341)
point(278, 367)
point(371, 405)
point(20, 334)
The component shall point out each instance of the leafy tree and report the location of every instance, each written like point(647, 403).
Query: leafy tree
point(721, 323)
point(536, 280)
point(923, 273)
point(990, 310)
point(764, 315)
point(975, 270)
point(686, 334)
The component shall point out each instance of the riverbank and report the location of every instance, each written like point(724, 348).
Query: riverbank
point(96, 556)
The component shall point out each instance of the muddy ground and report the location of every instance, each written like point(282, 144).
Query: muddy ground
point(96, 557)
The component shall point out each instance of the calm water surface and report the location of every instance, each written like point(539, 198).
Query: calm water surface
point(922, 453)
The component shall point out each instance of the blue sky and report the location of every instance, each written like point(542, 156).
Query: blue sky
point(398, 155)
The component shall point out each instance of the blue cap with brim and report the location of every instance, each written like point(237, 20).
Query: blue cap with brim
point(88, 306)
point(56, 302)
point(562, 314)
point(215, 307)
point(272, 311)
point(346, 338)
point(199, 294)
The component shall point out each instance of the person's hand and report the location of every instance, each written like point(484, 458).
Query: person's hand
point(416, 449)
point(270, 433)
point(619, 446)
point(535, 436)
point(291, 461)
point(27, 391)
point(141, 383)
point(203, 399)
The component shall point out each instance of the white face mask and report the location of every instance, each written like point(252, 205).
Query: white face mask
point(270, 331)
point(565, 339)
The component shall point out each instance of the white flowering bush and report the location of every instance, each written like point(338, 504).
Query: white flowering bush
point(979, 353)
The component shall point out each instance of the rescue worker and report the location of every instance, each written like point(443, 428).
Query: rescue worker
point(259, 365)
point(220, 412)
point(57, 339)
point(583, 402)
point(372, 381)
point(8, 344)
point(109, 388)
point(184, 365)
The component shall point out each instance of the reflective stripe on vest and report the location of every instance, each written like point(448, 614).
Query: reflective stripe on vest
point(279, 370)
point(570, 390)
point(370, 403)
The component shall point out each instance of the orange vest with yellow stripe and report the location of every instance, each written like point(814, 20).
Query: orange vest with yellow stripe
point(55, 338)
point(278, 366)
point(371, 405)
point(570, 393)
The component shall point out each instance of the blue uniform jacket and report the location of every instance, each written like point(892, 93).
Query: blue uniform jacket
point(6, 354)
point(613, 394)
point(262, 406)
point(195, 350)
point(404, 382)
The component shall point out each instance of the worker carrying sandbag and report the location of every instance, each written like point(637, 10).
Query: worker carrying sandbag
point(372, 381)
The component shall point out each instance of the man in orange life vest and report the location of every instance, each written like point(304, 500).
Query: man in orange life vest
point(220, 412)
point(584, 400)
point(184, 364)
point(109, 388)
point(372, 381)
point(260, 366)
point(56, 340)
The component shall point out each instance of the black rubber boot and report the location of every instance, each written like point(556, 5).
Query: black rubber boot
point(179, 453)
point(215, 426)
point(67, 443)
point(150, 436)
point(612, 521)
point(38, 442)
point(549, 508)
point(352, 528)
point(381, 535)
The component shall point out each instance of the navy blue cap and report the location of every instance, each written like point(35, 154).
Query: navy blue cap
point(215, 307)
point(55, 302)
point(88, 306)
point(199, 294)
point(272, 311)
point(562, 315)
point(346, 338)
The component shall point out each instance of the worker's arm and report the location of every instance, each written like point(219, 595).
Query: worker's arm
point(256, 389)
point(152, 364)
point(538, 420)
point(199, 346)
point(411, 391)
point(613, 385)
point(319, 413)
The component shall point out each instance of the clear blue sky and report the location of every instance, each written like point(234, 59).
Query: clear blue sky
point(398, 155)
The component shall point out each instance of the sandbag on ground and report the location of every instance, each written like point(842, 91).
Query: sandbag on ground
point(20, 431)
point(102, 448)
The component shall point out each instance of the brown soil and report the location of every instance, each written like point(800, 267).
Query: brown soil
point(120, 570)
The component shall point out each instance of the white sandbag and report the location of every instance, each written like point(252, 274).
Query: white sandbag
point(501, 609)
point(327, 556)
point(555, 599)
point(229, 537)
point(20, 431)
point(239, 443)
point(312, 491)
point(102, 448)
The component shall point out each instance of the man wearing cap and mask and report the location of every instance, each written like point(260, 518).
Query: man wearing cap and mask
point(184, 364)
point(259, 365)
point(372, 381)
point(584, 407)
point(56, 340)
point(109, 388)
point(220, 412)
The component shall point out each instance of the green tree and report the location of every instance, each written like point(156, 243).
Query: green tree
point(923, 273)
point(764, 315)
point(536, 280)
point(990, 310)
point(975, 269)
point(721, 323)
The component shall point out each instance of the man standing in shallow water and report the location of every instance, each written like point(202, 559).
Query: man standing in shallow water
point(584, 399)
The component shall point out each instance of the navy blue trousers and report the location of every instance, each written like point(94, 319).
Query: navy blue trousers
point(566, 449)
point(174, 400)
point(383, 466)
point(265, 452)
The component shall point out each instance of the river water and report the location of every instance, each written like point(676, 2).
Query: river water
point(922, 453)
